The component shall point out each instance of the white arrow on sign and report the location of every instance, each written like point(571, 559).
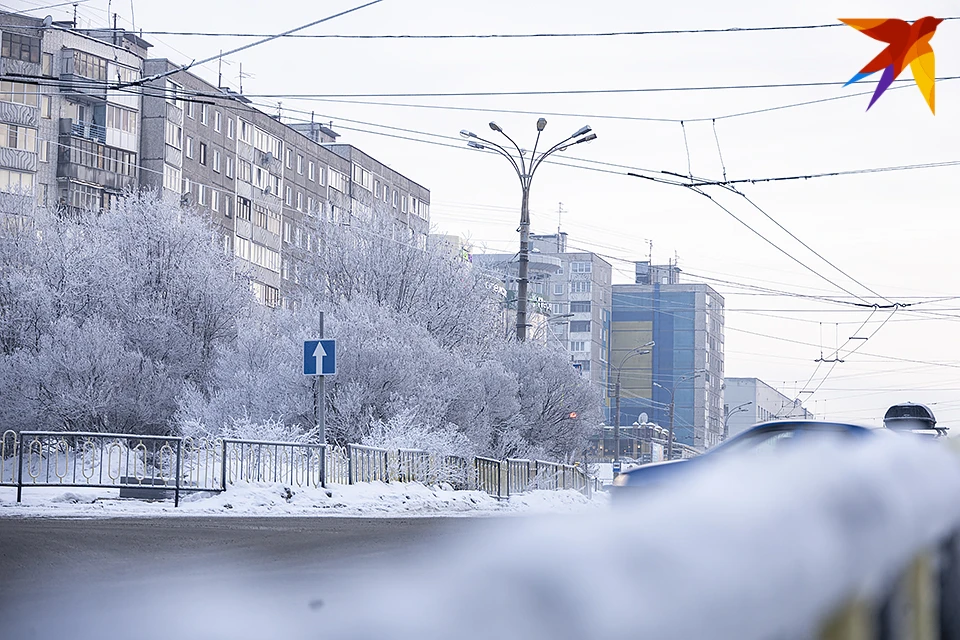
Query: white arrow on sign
point(319, 354)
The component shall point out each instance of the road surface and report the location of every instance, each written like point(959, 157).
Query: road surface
point(201, 573)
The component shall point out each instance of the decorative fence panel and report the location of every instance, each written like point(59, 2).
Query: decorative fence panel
point(489, 476)
point(367, 464)
point(293, 463)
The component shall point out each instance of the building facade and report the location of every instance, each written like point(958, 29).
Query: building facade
point(682, 372)
point(748, 401)
point(569, 299)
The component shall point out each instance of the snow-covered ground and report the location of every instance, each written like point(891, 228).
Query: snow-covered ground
point(373, 499)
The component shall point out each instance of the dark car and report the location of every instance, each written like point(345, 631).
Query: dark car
point(769, 436)
point(913, 418)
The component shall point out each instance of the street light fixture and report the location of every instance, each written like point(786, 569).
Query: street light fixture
point(740, 408)
point(638, 351)
point(525, 168)
point(672, 391)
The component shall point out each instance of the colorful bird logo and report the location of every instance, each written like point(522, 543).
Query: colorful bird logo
point(906, 44)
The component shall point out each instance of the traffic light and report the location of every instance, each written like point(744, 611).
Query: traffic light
point(573, 415)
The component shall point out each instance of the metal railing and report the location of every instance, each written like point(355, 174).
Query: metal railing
point(293, 463)
point(367, 464)
point(158, 465)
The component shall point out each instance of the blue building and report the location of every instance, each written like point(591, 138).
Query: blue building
point(684, 366)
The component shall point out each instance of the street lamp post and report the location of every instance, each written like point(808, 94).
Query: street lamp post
point(525, 168)
point(639, 351)
point(672, 391)
point(740, 408)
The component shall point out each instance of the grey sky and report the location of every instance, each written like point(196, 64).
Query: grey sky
point(895, 232)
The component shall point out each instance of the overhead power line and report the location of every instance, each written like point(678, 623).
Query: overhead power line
point(485, 36)
point(558, 92)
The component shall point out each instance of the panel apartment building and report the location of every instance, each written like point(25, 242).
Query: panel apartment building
point(748, 401)
point(67, 141)
point(684, 367)
point(569, 294)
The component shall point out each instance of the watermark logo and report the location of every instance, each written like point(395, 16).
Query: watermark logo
point(907, 44)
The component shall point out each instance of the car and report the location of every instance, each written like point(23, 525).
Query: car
point(909, 417)
point(764, 437)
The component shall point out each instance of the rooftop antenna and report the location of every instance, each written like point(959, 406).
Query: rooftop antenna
point(650, 251)
point(220, 70)
point(559, 216)
point(75, 15)
point(133, 18)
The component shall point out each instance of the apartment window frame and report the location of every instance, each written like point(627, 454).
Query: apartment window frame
point(17, 45)
point(217, 121)
point(216, 160)
point(188, 147)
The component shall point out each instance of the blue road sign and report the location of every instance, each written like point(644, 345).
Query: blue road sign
point(319, 357)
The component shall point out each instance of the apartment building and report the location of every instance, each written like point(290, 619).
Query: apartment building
point(748, 401)
point(569, 299)
point(64, 138)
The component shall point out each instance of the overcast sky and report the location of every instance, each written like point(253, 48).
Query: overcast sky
point(895, 232)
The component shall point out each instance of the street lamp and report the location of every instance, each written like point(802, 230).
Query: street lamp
point(525, 168)
point(671, 391)
point(740, 408)
point(638, 351)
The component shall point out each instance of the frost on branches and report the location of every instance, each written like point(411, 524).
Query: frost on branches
point(132, 320)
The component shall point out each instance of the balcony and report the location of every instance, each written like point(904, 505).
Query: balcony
point(88, 130)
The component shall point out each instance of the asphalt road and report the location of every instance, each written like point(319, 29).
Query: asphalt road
point(120, 571)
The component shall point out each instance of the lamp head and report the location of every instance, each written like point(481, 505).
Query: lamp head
point(467, 134)
point(582, 131)
point(496, 127)
point(541, 124)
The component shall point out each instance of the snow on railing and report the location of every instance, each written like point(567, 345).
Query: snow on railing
point(833, 540)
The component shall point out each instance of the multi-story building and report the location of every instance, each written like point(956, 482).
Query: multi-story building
point(748, 401)
point(569, 294)
point(66, 139)
point(683, 370)
point(267, 186)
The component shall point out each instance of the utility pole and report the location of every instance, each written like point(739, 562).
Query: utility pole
point(728, 413)
point(672, 390)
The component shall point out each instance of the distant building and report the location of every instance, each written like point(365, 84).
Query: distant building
point(568, 299)
point(748, 401)
point(685, 366)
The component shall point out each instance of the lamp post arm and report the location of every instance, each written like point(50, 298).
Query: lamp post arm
point(536, 162)
point(522, 169)
point(499, 149)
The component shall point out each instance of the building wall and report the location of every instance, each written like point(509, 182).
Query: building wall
point(767, 404)
point(686, 323)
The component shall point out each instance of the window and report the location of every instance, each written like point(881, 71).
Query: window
point(362, 177)
point(386, 194)
point(582, 306)
point(246, 132)
point(172, 93)
point(21, 47)
point(403, 204)
point(231, 128)
point(244, 171)
point(174, 135)
point(288, 196)
point(580, 326)
point(203, 153)
point(286, 232)
point(89, 66)
point(581, 267)
point(171, 177)
point(289, 158)
point(216, 160)
point(19, 93)
point(299, 201)
point(310, 209)
point(312, 170)
point(243, 209)
point(202, 195)
point(578, 345)
point(338, 181)
point(558, 289)
point(227, 205)
point(46, 107)
point(203, 114)
point(299, 164)
point(189, 109)
point(217, 121)
point(189, 147)
point(44, 150)
point(297, 236)
point(320, 175)
point(46, 60)
point(581, 286)
point(229, 166)
point(16, 137)
point(123, 119)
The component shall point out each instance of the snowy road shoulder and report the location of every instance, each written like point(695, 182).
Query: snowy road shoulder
point(362, 500)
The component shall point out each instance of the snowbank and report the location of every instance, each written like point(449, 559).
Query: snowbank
point(363, 500)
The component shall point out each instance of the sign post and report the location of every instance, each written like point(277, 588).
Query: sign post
point(319, 361)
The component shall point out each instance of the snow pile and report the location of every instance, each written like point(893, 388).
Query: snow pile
point(745, 548)
point(266, 499)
